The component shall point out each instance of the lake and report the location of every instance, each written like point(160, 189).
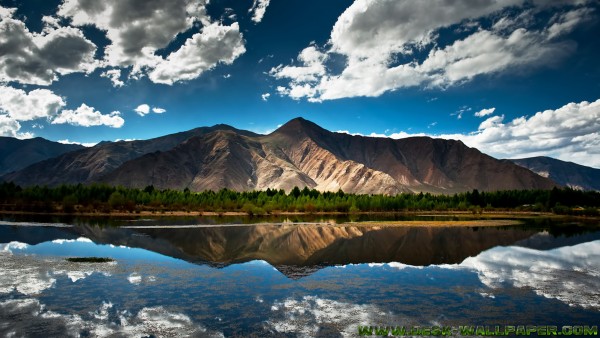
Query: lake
point(273, 277)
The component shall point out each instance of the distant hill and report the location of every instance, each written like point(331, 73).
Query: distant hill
point(299, 153)
point(16, 154)
point(565, 173)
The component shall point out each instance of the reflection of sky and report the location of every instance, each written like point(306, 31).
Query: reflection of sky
point(83, 247)
point(570, 274)
point(145, 293)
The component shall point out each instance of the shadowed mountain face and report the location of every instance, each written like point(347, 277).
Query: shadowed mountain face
point(300, 153)
point(565, 173)
point(17, 154)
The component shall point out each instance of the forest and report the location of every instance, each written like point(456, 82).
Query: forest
point(99, 198)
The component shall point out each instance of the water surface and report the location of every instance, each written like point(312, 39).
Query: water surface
point(290, 280)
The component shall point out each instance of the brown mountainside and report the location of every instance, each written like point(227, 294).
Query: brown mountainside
point(300, 153)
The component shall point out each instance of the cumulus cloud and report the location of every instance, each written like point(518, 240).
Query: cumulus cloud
point(22, 106)
point(258, 10)
point(86, 116)
point(215, 44)
point(378, 42)
point(265, 96)
point(144, 109)
point(17, 105)
point(38, 58)
point(138, 29)
point(485, 112)
point(569, 133)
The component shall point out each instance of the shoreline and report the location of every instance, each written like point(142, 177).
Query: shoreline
point(182, 213)
point(365, 224)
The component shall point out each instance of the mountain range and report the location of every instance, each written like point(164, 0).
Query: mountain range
point(17, 154)
point(299, 153)
point(565, 173)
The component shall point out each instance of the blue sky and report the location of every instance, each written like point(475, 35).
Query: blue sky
point(512, 78)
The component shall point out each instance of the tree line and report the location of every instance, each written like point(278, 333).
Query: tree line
point(100, 198)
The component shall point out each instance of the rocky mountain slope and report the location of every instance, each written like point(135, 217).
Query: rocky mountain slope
point(299, 153)
point(565, 173)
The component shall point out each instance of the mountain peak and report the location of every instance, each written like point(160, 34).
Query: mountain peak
point(299, 125)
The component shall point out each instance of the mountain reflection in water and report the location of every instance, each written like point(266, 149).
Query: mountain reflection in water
point(302, 245)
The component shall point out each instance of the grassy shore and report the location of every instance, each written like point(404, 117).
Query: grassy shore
point(182, 213)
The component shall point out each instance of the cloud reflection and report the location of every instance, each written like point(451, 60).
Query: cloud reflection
point(106, 321)
point(31, 275)
point(570, 274)
point(312, 316)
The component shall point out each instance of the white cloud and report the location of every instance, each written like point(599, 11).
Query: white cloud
point(486, 52)
point(142, 109)
point(80, 240)
point(377, 42)
point(9, 127)
point(17, 105)
point(312, 69)
point(491, 122)
point(23, 106)
point(138, 29)
point(566, 22)
point(38, 58)
point(115, 77)
point(215, 44)
point(265, 96)
point(85, 144)
point(258, 10)
point(86, 116)
point(485, 112)
point(567, 133)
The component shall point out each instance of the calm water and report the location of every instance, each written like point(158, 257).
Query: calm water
point(285, 280)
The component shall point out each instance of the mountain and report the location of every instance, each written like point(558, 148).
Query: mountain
point(88, 165)
point(17, 154)
point(564, 173)
point(299, 153)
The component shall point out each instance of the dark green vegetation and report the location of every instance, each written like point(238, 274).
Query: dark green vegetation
point(103, 198)
point(90, 259)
